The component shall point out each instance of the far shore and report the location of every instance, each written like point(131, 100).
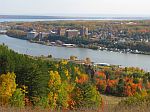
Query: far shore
point(87, 47)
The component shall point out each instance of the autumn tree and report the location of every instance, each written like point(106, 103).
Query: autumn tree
point(86, 95)
point(7, 87)
point(58, 91)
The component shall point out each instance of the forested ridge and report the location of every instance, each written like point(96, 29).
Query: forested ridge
point(27, 81)
point(49, 84)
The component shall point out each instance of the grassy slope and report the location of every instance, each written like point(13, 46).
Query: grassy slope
point(110, 102)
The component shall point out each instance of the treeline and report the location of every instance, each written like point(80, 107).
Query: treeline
point(75, 40)
point(83, 42)
point(30, 81)
point(140, 46)
point(122, 81)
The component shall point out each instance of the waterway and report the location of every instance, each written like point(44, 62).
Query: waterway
point(34, 49)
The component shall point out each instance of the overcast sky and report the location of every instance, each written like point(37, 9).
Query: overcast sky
point(75, 7)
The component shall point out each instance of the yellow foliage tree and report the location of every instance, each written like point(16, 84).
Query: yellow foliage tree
point(58, 91)
point(63, 62)
point(7, 87)
point(54, 85)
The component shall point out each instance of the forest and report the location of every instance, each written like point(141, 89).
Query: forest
point(27, 81)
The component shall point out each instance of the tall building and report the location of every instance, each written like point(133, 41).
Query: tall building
point(61, 31)
point(72, 33)
point(84, 31)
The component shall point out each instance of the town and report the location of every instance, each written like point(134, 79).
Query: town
point(116, 36)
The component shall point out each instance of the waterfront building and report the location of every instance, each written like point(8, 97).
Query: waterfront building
point(72, 33)
point(61, 31)
point(69, 45)
point(3, 31)
point(32, 35)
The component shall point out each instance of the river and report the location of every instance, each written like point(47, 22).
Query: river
point(25, 47)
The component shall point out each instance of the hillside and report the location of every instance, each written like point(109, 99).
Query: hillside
point(27, 82)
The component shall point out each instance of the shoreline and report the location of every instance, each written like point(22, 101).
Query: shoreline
point(102, 49)
point(125, 51)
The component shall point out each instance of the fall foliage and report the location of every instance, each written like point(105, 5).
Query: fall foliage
point(63, 85)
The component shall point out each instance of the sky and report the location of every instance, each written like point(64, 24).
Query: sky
point(75, 7)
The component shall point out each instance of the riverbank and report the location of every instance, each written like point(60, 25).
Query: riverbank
point(90, 47)
point(59, 44)
point(125, 51)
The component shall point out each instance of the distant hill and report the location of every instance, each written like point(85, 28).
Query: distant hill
point(29, 17)
point(69, 17)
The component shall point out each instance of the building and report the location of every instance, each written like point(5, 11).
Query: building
point(3, 31)
point(61, 31)
point(69, 45)
point(32, 35)
point(72, 33)
point(42, 35)
point(53, 32)
point(101, 64)
point(3, 27)
point(84, 31)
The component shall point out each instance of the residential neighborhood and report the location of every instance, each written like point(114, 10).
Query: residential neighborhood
point(117, 36)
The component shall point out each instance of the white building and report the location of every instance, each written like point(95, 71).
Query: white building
point(32, 35)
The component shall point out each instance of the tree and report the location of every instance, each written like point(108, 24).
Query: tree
point(7, 87)
point(120, 87)
point(86, 95)
point(72, 58)
point(100, 79)
point(58, 91)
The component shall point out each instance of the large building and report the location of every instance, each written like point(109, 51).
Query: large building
point(84, 31)
point(72, 33)
point(61, 31)
point(32, 35)
point(42, 35)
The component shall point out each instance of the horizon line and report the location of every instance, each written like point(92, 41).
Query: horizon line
point(79, 15)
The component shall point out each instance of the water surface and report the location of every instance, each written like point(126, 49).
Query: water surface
point(25, 47)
